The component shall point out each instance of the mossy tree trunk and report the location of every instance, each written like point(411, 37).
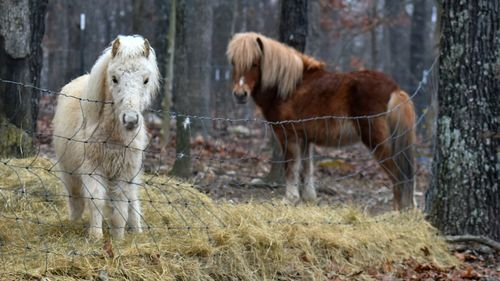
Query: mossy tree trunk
point(464, 197)
point(293, 32)
point(21, 31)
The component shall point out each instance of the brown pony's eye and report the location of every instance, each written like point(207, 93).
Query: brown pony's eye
point(146, 81)
point(114, 80)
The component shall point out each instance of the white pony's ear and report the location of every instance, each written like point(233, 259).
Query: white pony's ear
point(147, 48)
point(116, 46)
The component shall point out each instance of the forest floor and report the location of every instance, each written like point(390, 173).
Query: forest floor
point(233, 163)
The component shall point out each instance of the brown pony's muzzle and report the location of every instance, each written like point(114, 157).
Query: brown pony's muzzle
point(241, 97)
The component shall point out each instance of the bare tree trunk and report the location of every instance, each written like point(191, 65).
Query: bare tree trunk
point(182, 165)
point(397, 42)
point(294, 24)
point(198, 41)
point(418, 51)
point(192, 76)
point(314, 33)
point(22, 24)
point(222, 32)
point(168, 87)
point(373, 36)
point(161, 13)
point(293, 32)
point(464, 197)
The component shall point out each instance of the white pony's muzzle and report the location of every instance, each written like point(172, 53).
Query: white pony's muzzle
point(130, 119)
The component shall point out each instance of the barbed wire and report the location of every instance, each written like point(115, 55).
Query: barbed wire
point(174, 207)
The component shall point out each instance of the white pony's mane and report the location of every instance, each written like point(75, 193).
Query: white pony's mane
point(130, 48)
point(281, 65)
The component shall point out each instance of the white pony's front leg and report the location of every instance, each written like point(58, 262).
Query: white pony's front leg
point(76, 196)
point(309, 192)
point(96, 198)
point(119, 198)
point(292, 167)
point(134, 210)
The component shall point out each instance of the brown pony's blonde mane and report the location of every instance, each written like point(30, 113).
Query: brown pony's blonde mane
point(281, 65)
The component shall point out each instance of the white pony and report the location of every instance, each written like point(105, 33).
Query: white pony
point(99, 135)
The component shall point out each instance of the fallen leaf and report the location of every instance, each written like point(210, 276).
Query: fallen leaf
point(459, 256)
point(470, 273)
point(108, 249)
point(426, 251)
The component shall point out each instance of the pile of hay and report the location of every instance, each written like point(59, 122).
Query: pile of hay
point(190, 237)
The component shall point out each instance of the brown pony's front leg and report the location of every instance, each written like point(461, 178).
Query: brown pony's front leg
point(308, 191)
point(292, 172)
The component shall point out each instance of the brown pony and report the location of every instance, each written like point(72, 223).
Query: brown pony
point(308, 105)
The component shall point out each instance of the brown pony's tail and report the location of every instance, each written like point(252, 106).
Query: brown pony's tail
point(401, 121)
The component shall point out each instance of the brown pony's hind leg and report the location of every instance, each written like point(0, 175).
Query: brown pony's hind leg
point(378, 137)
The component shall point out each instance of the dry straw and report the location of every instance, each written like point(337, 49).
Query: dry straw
point(193, 238)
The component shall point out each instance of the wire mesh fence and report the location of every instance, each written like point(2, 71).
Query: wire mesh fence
point(228, 192)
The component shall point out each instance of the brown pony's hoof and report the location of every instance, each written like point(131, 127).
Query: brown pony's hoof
point(291, 200)
point(311, 201)
point(309, 196)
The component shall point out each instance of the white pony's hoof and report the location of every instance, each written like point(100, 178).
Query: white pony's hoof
point(136, 229)
point(118, 233)
point(95, 233)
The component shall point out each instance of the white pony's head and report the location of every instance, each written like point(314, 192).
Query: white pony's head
point(127, 75)
point(132, 78)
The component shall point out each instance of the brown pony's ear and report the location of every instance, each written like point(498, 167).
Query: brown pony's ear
point(116, 45)
point(147, 48)
point(261, 45)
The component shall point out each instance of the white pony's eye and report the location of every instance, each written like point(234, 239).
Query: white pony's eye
point(114, 80)
point(146, 81)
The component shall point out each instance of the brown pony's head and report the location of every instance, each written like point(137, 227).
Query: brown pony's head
point(259, 61)
point(245, 52)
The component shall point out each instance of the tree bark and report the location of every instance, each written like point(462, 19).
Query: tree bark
point(314, 34)
point(160, 11)
point(22, 24)
point(198, 41)
point(169, 76)
point(222, 32)
point(464, 197)
point(373, 36)
point(293, 32)
point(293, 24)
point(191, 78)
